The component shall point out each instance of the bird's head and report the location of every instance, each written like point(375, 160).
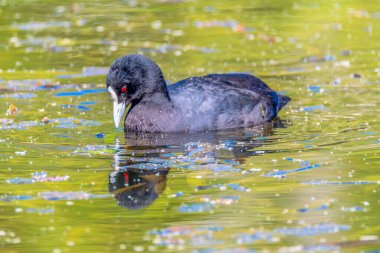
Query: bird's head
point(130, 79)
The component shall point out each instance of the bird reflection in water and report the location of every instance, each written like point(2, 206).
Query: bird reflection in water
point(142, 162)
point(136, 188)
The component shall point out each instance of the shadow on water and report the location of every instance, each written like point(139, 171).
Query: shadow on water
point(143, 161)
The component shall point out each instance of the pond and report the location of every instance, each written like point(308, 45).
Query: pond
point(309, 181)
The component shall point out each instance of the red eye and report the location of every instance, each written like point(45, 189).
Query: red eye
point(123, 89)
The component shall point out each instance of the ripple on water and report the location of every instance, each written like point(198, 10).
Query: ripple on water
point(19, 95)
point(323, 228)
point(328, 182)
point(210, 178)
point(225, 250)
point(8, 124)
point(37, 177)
point(283, 173)
point(56, 195)
point(195, 208)
point(186, 235)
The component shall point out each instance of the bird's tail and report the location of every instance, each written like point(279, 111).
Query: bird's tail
point(279, 100)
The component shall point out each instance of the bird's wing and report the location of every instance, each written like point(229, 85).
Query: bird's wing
point(237, 80)
point(241, 81)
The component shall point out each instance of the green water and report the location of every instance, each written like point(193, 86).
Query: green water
point(309, 182)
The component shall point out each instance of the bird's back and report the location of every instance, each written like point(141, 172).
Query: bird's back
point(221, 101)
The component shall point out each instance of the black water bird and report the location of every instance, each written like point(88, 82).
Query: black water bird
point(211, 102)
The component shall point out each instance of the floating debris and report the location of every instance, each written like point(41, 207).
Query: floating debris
point(319, 59)
point(248, 238)
point(181, 235)
point(19, 95)
point(73, 122)
point(19, 180)
point(252, 170)
point(232, 162)
point(346, 52)
point(370, 133)
point(40, 210)
point(345, 64)
point(22, 125)
point(306, 209)
point(195, 208)
point(205, 240)
point(205, 187)
point(146, 166)
point(52, 179)
point(327, 182)
point(12, 109)
point(310, 248)
point(8, 237)
point(224, 200)
point(163, 49)
point(295, 69)
point(21, 153)
point(353, 209)
point(232, 24)
point(228, 144)
point(216, 167)
point(225, 250)
point(39, 174)
point(376, 15)
point(195, 151)
point(291, 159)
point(223, 187)
point(36, 26)
point(323, 228)
point(79, 107)
point(267, 38)
point(176, 195)
point(45, 120)
point(184, 230)
point(94, 150)
point(100, 135)
point(356, 75)
point(87, 103)
point(8, 198)
point(369, 238)
point(315, 88)
point(4, 122)
point(37, 177)
point(238, 187)
point(33, 41)
point(358, 13)
point(32, 84)
point(313, 108)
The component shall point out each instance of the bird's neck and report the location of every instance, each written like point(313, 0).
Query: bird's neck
point(162, 90)
point(162, 98)
point(159, 97)
point(150, 113)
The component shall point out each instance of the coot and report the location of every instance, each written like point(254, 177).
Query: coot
point(211, 102)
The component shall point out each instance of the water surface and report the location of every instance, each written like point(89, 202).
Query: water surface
point(307, 182)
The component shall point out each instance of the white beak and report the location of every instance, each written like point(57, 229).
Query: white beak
point(118, 108)
point(118, 112)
